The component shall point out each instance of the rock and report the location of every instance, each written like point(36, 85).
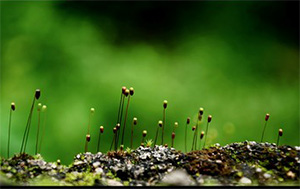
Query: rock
point(96, 164)
point(245, 180)
point(111, 182)
point(266, 175)
point(291, 174)
point(178, 177)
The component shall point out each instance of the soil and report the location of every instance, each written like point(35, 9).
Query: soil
point(244, 163)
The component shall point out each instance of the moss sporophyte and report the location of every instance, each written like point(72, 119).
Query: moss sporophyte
point(266, 161)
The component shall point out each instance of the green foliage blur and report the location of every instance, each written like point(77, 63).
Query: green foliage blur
point(237, 60)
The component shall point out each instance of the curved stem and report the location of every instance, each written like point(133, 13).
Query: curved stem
point(26, 133)
point(206, 133)
point(185, 137)
point(120, 122)
point(37, 134)
point(262, 136)
point(122, 141)
point(9, 126)
point(43, 132)
point(163, 126)
point(156, 135)
point(278, 140)
point(112, 142)
point(98, 141)
point(131, 135)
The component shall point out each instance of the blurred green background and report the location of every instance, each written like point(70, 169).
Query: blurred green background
point(237, 60)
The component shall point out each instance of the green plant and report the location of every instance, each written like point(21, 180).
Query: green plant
point(193, 129)
point(208, 121)
point(200, 113)
point(118, 126)
point(12, 108)
point(39, 107)
point(27, 128)
point(44, 108)
point(149, 142)
point(101, 130)
point(160, 123)
point(280, 133)
point(120, 114)
point(128, 93)
point(134, 122)
point(201, 137)
point(173, 133)
point(87, 139)
point(113, 140)
point(164, 120)
point(188, 120)
point(88, 136)
point(144, 134)
point(266, 121)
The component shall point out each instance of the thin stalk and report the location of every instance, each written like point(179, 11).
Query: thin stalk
point(185, 137)
point(37, 134)
point(205, 134)
point(98, 141)
point(156, 135)
point(126, 113)
point(43, 132)
point(112, 142)
point(263, 133)
point(120, 107)
point(193, 144)
point(196, 134)
point(9, 126)
point(86, 146)
point(120, 121)
point(131, 135)
point(278, 140)
point(25, 136)
point(163, 126)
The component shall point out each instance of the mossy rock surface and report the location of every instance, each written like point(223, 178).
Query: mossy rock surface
point(245, 163)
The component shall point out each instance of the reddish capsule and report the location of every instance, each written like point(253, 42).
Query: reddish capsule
point(209, 118)
point(173, 135)
point(123, 90)
point(126, 92)
point(37, 94)
point(165, 104)
point(114, 129)
point(121, 147)
point(193, 128)
point(144, 133)
point(166, 145)
point(201, 111)
point(131, 91)
point(118, 126)
point(160, 123)
point(13, 106)
point(88, 138)
point(134, 121)
point(202, 134)
point(142, 144)
point(267, 117)
point(188, 120)
point(101, 129)
point(280, 132)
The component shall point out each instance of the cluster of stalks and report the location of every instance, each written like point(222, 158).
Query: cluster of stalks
point(88, 136)
point(40, 108)
point(125, 93)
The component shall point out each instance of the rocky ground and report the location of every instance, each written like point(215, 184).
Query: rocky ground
point(246, 163)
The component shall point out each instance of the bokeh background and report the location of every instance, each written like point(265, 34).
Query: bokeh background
point(237, 60)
